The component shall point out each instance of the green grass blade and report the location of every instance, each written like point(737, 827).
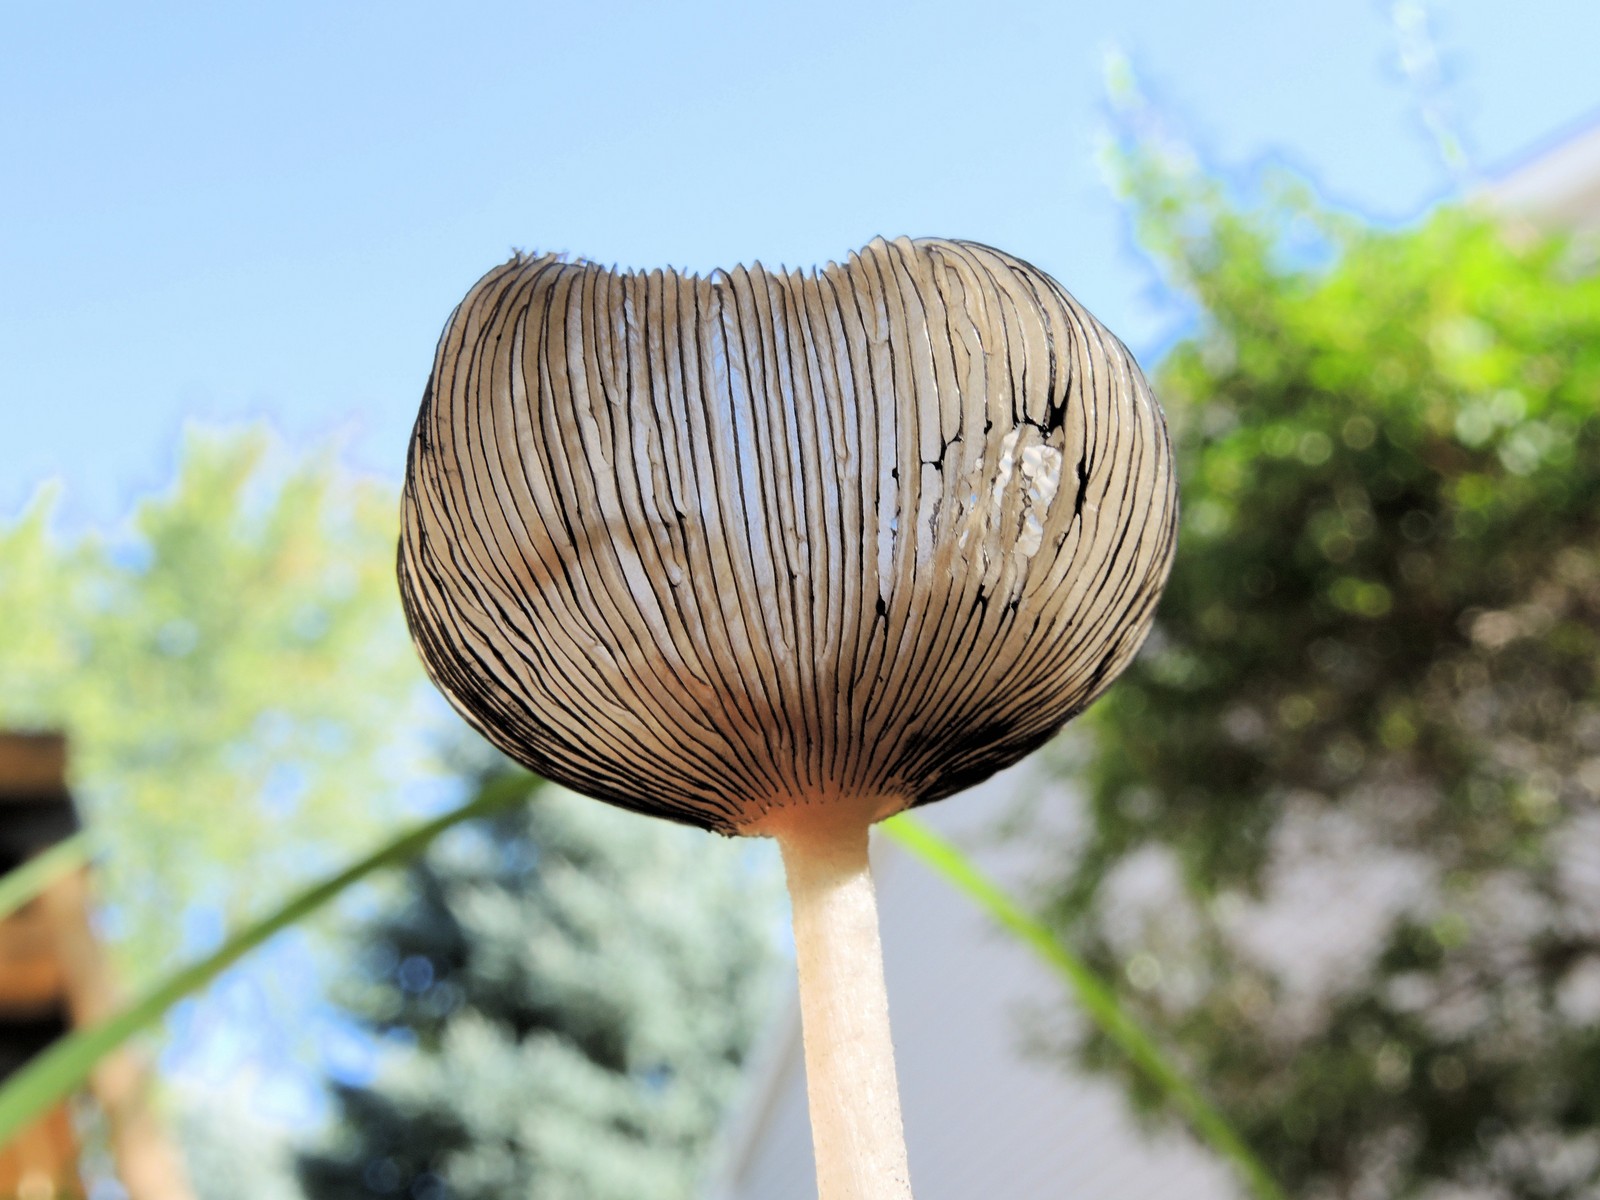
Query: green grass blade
point(39, 872)
point(55, 1072)
point(1093, 995)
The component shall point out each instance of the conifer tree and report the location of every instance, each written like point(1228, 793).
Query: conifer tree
point(570, 991)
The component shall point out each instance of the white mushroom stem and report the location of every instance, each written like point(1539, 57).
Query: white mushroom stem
point(856, 1131)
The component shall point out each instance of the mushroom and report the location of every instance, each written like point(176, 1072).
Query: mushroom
point(782, 554)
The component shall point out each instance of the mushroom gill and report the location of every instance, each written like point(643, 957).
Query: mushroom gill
point(713, 548)
point(784, 554)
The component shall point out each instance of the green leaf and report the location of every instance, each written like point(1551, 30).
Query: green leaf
point(67, 1063)
point(39, 872)
point(1097, 999)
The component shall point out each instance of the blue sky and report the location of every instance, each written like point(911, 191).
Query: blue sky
point(227, 211)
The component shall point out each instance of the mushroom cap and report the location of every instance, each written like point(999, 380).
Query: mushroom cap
point(710, 548)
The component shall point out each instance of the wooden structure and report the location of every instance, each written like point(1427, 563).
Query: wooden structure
point(35, 813)
point(55, 976)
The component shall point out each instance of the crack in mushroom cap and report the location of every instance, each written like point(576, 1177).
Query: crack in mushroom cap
point(706, 548)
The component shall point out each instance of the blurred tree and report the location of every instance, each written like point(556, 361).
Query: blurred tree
point(1344, 829)
point(233, 670)
point(572, 990)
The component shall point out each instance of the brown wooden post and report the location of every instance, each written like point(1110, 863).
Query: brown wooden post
point(58, 976)
point(41, 1161)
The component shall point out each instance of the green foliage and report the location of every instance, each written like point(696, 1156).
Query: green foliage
point(572, 990)
point(235, 675)
point(233, 671)
point(1370, 711)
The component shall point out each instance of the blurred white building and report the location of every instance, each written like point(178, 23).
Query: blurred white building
point(987, 1115)
point(1557, 185)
